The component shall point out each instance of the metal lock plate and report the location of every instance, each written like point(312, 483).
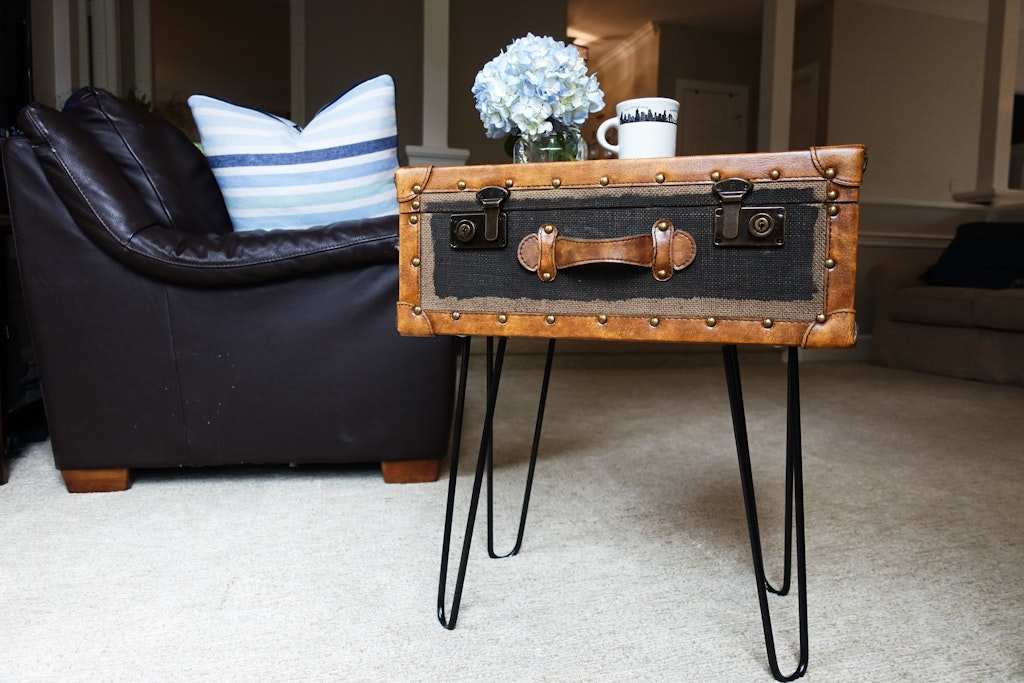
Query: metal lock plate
point(469, 231)
point(746, 226)
point(485, 230)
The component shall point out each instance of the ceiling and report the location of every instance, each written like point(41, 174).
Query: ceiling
point(614, 20)
point(599, 20)
point(602, 26)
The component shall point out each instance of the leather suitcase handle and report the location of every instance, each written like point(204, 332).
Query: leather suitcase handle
point(664, 251)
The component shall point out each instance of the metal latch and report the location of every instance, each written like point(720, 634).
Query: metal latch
point(487, 230)
point(746, 226)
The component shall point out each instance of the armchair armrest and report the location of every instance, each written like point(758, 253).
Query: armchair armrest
point(107, 209)
point(259, 256)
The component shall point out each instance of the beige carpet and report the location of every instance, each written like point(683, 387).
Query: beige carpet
point(636, 561)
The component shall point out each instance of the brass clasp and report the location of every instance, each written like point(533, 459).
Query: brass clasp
point(765, 226)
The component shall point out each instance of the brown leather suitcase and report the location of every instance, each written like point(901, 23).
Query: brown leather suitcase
point(726, 249)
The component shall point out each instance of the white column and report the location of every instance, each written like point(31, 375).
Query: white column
point(297, 77)
point(53, 54)
point(104, 27)
point(434, 149)
point(778, 28)
point(997, 94)
point(998, 87)
point(143, 44)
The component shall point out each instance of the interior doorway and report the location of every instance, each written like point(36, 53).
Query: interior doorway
point(803, 111)
point(712, 117)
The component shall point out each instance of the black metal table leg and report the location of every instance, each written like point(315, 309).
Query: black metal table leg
point(794, 508)
point(529, 473)
point(794, 503)
point(484, 461)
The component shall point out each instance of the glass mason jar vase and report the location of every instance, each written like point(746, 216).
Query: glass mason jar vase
point(566, 144)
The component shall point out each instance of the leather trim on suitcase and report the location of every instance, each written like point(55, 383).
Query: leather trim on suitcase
point(749, 248)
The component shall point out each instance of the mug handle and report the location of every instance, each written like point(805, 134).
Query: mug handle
point(602, 130)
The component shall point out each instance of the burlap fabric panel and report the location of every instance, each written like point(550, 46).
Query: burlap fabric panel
point(783, 283)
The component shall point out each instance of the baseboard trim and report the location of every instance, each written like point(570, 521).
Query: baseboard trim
point(903, 240)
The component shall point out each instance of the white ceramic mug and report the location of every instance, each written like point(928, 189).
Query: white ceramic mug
point(647, 128)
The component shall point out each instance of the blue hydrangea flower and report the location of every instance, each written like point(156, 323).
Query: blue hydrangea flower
point(534, 85)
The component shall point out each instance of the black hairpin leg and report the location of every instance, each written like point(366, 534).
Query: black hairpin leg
point(794, 502)
point(484, 460)
point(529, 473)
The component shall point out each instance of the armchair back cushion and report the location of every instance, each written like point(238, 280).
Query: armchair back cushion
point(163, 167)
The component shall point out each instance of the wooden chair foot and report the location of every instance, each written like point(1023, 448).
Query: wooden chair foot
point(410, 471)
point(97, 481)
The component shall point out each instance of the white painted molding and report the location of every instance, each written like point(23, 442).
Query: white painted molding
point(420, 155)
point(902, 240)
point(921, 204)
point(991, 195)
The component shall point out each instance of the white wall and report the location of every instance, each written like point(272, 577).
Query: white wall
point(908, 84)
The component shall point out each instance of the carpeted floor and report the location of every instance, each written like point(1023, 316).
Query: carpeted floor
point(636, 564)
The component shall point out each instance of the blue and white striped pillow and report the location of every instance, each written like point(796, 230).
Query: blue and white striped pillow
point(275, 175)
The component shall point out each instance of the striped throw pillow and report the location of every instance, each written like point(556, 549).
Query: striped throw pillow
point(275, 175)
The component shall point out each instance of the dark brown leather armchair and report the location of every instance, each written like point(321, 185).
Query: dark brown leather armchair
point(165, 339)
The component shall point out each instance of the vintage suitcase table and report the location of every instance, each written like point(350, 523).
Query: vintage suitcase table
point(730, 249)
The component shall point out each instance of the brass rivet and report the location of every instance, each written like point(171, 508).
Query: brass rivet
point(509, 182)
point(663, 225)
point(415, 205)
point(655, 322)
point(768, 323)
point(661, 274)
point(546, 277)
point(416, 310)
point(548, 228)
point(716, 176)
point(502, 319)
point(833, 210)
point(830, 173)
point(550, 320)
point(821, 317)
point(659, 177)
point(774, 175)
point(556, 182)
point(456, 315)
point(830, 263)
point(417, 189)
point(461, 185)
point(833, 194)
point(413, 220)
point(603, 180)
point(711, 322)
point(416, 262)
point(602, 319)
